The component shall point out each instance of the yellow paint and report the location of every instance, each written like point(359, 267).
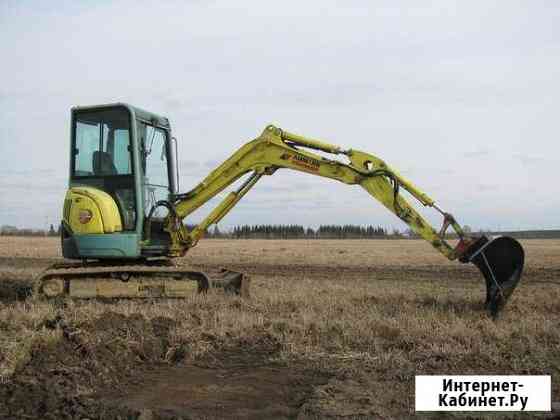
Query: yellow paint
point(275, 149)
point(104, 210)
point(135, 288)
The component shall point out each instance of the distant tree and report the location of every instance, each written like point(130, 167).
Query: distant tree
point(396, 233)
point(8, 230)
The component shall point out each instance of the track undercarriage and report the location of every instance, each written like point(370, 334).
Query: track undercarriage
point(146, 279)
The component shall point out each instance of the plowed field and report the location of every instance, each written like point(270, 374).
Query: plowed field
point(333, 329)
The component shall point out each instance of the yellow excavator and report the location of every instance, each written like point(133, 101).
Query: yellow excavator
point(123, 217)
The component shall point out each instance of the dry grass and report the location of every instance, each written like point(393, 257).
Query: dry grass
point(540, 252)
point(355, 310)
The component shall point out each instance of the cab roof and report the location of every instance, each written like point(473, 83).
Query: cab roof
point(139, 113)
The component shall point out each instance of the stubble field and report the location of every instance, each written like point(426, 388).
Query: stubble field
point(333, 329)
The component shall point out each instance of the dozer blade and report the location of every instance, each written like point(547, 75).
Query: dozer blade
point(501, 263)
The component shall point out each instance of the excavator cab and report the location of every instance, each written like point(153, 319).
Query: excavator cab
point(122, 168)
point(122, 162)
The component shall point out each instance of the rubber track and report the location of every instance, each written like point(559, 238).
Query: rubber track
point(70, 271)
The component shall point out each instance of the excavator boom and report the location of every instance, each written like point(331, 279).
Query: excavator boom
point(500, 261)
point(275, 149)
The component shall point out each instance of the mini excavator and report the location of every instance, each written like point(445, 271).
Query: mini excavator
point(123, 215)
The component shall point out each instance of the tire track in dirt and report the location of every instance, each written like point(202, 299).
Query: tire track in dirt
point(534, 274)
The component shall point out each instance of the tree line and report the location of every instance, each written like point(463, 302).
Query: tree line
point(301, 232)
point(253, 232)
point(9, 230)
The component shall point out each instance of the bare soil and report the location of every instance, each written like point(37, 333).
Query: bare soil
point(334, 329)
point(246, 391)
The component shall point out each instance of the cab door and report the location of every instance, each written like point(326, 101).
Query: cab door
point(155, 158)
point(101, 156)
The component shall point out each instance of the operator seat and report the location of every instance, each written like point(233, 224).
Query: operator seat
point(103, 164)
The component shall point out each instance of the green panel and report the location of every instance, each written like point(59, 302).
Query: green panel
point(114, 245)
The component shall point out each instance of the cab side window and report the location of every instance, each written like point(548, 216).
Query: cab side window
point(154, 146)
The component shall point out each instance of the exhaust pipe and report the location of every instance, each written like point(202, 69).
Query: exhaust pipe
point(500, 261)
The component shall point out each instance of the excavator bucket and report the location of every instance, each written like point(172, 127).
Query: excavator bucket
point(501, 263)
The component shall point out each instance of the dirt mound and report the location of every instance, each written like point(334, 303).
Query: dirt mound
point(257, 348)
point(62, 375)
point(54, 385)
point(14, 287)
point(115, 367)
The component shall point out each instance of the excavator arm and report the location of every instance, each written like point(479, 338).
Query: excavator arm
point(276, 148)
point(500, 261)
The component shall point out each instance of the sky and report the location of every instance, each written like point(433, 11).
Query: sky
point(462, 98)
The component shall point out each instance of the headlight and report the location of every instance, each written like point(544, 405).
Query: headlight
point(84, 216)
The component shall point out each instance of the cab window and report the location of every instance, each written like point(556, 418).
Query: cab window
point(155, 166)
point(102, 143)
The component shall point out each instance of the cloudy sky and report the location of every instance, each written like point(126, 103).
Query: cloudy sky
point(462, 97)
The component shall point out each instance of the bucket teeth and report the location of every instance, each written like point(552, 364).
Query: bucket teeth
point(501, 263)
